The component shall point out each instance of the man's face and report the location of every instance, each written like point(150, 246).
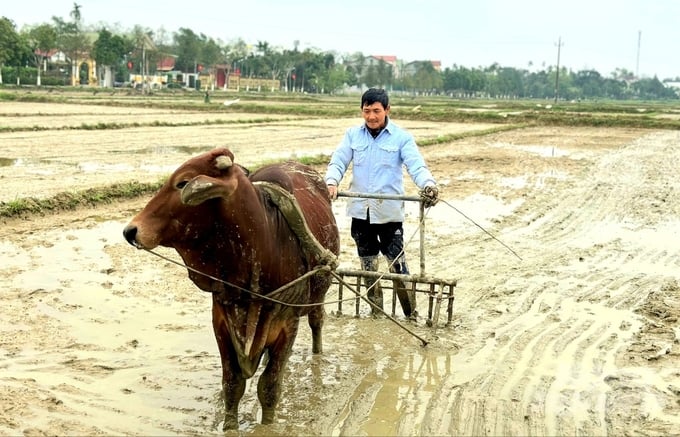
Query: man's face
point(374, 115)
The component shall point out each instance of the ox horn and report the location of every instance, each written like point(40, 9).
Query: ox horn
point(223, 162)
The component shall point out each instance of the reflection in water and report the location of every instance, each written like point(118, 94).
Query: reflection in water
point(394, 399)
point(117, 350)
point(130, 337)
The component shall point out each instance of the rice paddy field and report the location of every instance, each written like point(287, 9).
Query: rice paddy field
point(575, 331)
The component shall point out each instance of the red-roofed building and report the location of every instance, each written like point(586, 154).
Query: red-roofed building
point(166, 63)
point(398, 66)
point(53, 56)
point(390, 60)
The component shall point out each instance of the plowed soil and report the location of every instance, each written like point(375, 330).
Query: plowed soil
point(569, 327)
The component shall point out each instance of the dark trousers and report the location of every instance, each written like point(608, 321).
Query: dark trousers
point(386, 238)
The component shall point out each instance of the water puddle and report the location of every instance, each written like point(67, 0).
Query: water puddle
point(542, 150)
point(482, 209)
point(398, 394)
point(116, 345)
point(23, 162)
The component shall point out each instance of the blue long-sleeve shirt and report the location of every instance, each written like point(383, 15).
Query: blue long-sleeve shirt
point(377, 168)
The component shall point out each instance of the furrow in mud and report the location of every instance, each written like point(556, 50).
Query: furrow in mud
point(544, 347)
point(578, 337)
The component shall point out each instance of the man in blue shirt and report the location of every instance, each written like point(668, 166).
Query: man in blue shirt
point(378, 149)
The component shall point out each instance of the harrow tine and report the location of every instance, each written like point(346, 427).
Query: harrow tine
point(341, 280)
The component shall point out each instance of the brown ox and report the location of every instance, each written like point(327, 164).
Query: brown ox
point(240, 230)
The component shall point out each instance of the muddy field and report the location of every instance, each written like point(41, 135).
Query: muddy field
point(578, 337)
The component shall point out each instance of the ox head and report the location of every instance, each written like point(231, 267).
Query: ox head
point(179, 212)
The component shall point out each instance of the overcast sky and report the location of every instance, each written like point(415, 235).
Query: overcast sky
point(595, 34)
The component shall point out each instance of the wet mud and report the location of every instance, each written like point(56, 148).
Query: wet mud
point(579, 336)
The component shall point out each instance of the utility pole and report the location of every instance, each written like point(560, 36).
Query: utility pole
point(557, 73)
point(637, 61)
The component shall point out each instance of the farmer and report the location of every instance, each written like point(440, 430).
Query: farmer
point(378, 148)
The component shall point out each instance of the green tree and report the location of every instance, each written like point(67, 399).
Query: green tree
point(354, 66)
point(188, 49)
point(463, 82)
point(235, 51)
point(109, 50)
point(370, 76)
point(40, 40)
point(331, 76)
point(333, 79)
point(425, 78)
point(212, 52)
point(652, 89)
point(614, 89)
point(511, 82)
point(385, 73)
point(72, 40)
point(9, 43)
point(589, 83)
point(539, 85)
point(144, 53)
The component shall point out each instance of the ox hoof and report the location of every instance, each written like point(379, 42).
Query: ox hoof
point(230, 422)
point(267, 417)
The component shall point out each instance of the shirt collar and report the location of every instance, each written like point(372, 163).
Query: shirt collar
point(388, 125)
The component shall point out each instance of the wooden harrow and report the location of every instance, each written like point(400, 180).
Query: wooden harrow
point(437, 290)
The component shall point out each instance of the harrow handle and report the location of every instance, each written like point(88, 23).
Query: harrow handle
point(421, 215)
point(379, 196)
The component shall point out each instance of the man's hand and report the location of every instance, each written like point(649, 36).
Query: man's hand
point(332, 191)
point(429, 196)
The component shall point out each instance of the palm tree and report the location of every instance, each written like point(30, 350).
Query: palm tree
point(75, 13)
point(142, 41)
point(72, 40)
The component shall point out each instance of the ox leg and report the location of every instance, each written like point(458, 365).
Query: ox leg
point(233, 384)
point(319, 285)
point(269, 384)
point(315, 319)
point(233, 387)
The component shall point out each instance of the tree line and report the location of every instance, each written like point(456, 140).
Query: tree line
point(120, 53)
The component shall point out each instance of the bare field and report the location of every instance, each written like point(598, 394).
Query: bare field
point(43, 163)
point(579, 336)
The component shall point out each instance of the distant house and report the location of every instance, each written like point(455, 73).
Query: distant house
point(390, 60)
point(165, 64)
point(412, 67)
point(52, 56)
point(399, 68)
point(56, 59)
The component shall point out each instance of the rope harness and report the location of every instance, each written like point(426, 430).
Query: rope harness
point(290, 209)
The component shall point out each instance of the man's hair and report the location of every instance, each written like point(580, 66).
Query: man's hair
point(373, 95)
